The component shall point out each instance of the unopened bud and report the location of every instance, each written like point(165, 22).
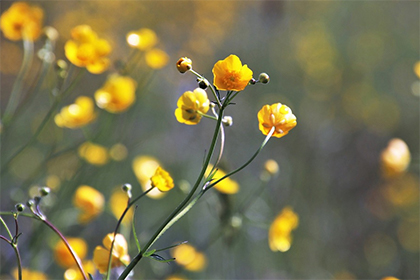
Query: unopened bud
point(126, 187)
point(51, 33)
point(227, 120)
point(30, 203)
point(252, 81)
point(20, 207)
point(184, 64)
point(202, 84)
point(264, 78)
point(44, 191)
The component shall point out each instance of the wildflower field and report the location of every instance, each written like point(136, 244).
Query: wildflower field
point(209, 140)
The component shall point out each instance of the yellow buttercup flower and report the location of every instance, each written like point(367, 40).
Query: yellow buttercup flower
point(191, 105)
point(22, 21)
point(162, 180)
point(118, 203)
point(156, 58)
point(188, 257)
point(76, 115)
point(395, 158)
point(230, 74)
point(119, 253)
point(279, 235)
point(62, 254)
point(89, 201)
point(73, 273)
point(117, 94)
point(142, 39)
point(29, 274)
point(277, 115)
point(227, 186)
point(87, 50)
point(93, 153)
point(144, 168)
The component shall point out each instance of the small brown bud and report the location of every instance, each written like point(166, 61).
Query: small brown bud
point(184, 64)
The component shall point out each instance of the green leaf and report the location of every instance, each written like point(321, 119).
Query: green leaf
point(134, 230)
point(160, 258)
point(149, 253)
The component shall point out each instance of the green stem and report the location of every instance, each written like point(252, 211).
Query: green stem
point(210, 86)
point(28, 53)
point(129, 204)
point(6, 227)
point(181, 206)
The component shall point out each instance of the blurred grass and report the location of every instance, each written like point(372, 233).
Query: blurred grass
point(344, 68)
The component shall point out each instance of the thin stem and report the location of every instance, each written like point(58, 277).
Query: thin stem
point(6, 227)
point(129, 204)
point(72, 252)
point(181, 206)
point(210, 86)
point(28, 53)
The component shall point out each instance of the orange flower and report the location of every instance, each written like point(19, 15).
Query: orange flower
point(62, 255)
point(87, 50)
point(277, 115)
point(119, 253)
point(229, 74)
point(22, 21)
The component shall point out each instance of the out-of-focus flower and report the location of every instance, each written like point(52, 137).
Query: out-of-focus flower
point(117, 94)
point(156, 58)
point(162, 180)
point(184, 64)
point(73, 273)
point(230, 74)
point(93, 153)
point(89, 201)
point(142, 39)
point(389, 278)
point(276, 115)
point(118, 152)
point(417, 69)
point(86, 49)
point(271, 166)
point(76, 115)
point(227, 186)
point(22, 21)
point(119, 253)
point(191, 105)
point(29, 274)
point(175, 277)
point(62, 255)
point(279, 235)
point(188, 257)
point(118, 203)
point(144, 167)
point(396, 158)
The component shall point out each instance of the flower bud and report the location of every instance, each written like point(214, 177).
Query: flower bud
point(252, 81)
point(126, 187)
point(20, 207)
point(51, 33)
point(264, 78)
point(30, 203)
point(44, 191)
point(184, 64)
point(202, 84)
point(227, 121)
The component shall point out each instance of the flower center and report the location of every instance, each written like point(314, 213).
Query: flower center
point(230, 79)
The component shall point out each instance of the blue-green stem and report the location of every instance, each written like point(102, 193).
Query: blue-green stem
point(28, 54)
point(161, 230)
point(129, 204)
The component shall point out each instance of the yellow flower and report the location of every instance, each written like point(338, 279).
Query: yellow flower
point(395, 158)
point(188, 257)
point(229, 74)
point(162, 180)
point(277, 115)
point(191, 105)
point(93, 153)
point(184, 64)
point(156, 58)
point(89, 201)
point(119, 253)
point(73, 273)
point(118, 203)
point(22, 21)
point(118, 152)
point(175, 277)
point(76, 115)
point(62, 254)
point(279, 235)
point(271, 166)
point(142, 39)
point(87, 50)
point(389, 278)
point(227, 186)
point(29, 274)
point(117, 94)
point(144, 167)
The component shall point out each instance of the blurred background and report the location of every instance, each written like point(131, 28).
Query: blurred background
point(346, 69)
